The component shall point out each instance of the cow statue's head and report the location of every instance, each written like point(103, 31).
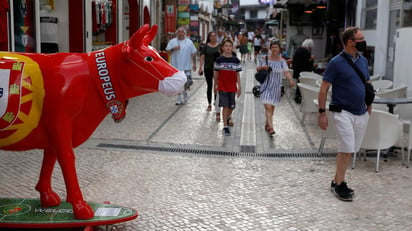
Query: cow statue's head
point(146, 70)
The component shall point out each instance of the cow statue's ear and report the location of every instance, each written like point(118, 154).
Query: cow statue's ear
point(150, 35)
point(138, 37)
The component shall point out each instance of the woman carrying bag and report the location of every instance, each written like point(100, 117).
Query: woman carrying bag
point(270, 91)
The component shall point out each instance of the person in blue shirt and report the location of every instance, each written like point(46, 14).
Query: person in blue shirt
point(348, 109)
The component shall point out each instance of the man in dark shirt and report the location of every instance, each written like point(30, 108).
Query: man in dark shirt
point(349, 113)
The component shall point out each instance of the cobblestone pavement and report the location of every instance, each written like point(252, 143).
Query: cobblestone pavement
point(175, 167)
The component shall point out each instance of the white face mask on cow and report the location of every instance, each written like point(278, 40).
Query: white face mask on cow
point(173, 85)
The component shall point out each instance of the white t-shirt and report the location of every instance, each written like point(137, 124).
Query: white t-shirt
point(257, 41)
point(250, 35)
point(48, 29)
point(181, 59)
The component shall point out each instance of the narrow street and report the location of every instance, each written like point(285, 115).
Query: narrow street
point(173, 165)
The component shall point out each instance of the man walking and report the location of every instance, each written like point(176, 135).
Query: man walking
point(183, 56)
point(348, 109)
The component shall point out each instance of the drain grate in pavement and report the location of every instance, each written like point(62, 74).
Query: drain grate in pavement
point(246, 151)
point(247, 148)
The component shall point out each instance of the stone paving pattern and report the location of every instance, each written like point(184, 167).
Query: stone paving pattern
point(189, 191)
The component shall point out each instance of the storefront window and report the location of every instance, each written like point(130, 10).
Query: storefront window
point(407, 13)
point(24, 27)
point(369, 14)
point(104, 25)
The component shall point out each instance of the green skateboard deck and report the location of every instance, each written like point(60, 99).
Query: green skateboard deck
point(27, 213)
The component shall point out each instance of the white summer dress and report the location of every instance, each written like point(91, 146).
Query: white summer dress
point(270, 90)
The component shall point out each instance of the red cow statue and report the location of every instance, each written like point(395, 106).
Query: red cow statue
point(55, 102)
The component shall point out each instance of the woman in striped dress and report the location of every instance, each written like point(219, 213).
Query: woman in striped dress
point(271, 89)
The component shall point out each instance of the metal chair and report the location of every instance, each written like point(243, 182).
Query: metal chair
point(384, 131)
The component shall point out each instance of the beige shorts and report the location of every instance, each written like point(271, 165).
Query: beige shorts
point(350, 130)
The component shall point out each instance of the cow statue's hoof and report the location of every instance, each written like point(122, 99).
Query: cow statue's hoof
point(49, 199)
point(82, 210)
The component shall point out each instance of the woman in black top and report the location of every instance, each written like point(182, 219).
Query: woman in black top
point(207, 58)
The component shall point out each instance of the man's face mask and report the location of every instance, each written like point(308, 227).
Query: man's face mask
point(361, 46)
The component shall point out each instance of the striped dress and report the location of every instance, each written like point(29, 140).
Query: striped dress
point(271, 88)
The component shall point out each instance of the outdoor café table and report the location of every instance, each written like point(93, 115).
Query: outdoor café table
point(392, 102)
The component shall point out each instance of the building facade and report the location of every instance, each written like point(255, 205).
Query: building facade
point(77, 25)
point(86, 25)
point(387, 26)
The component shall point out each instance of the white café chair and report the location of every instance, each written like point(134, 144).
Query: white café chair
point(286, 84)
point(310, 74)
point(309, 80)
point(329, 133)
point(291, 72)
point(398, 92)
point(319, 82)
point(379, 106)
point(384, 131)
point(404, 111)
point(375, 77)
point(382, 84)
point(309, 93)
point(322, 65)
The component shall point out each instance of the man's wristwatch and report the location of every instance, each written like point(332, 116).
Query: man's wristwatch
point(322, 110)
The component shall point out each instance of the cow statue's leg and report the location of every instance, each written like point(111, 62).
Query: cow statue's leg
point(62, 142)
point(74, 196)
point(48, 197)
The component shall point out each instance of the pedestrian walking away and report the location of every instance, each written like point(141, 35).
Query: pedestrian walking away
point(270, 91)
point(183, 56)
point(348, 109)
point(227, 82)
point(243, 49)
point(257, 45)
